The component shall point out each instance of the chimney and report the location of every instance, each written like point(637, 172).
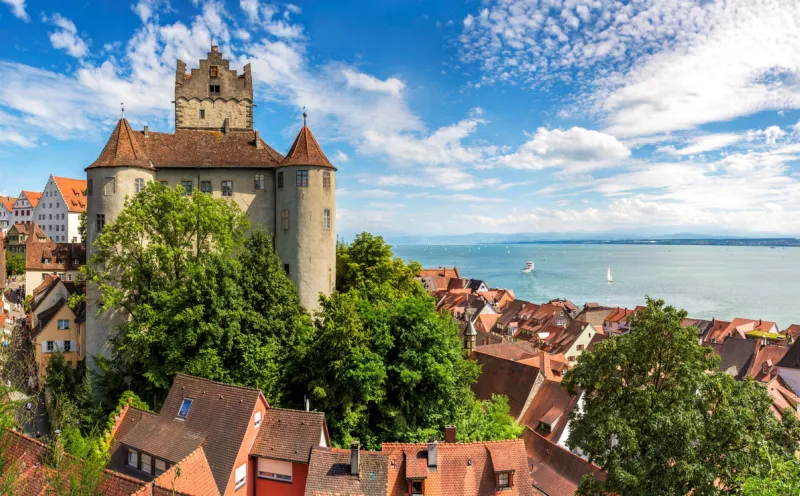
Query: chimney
point(450, 434)
point(759, 322)
point(355, 458)
point(433, 448)
point(146, 132)
point(258, 140)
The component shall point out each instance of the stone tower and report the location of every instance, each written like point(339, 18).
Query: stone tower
point(213, 97)
point(305, 229)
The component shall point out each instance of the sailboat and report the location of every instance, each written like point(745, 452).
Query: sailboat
point(608, 276)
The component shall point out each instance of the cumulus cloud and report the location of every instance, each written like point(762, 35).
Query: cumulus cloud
point(66, 37)
point(706, 143)
point(392, 86)
point(341, 157)
point(17, 8)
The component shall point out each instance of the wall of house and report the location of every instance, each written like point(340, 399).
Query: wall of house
point(51, 332)
point(268, 487)
point(57, 293)
point(243, 457)
point(52, 213)
point(33, 278)
point(6, 219)
point(22, 211)
point(583, 340)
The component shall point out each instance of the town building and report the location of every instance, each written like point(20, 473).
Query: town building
point(6, 213)
point(24, 207)
point(573, 340)
point(216, 150)
point(59, 329)
point(62, 260)
point(616, 321)
point(437, 279)
point(22, 235)
point(59, 209)
point(555, 471)
point(338, 472)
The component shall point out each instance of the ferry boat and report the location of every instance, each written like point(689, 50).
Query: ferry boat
point(528, 267)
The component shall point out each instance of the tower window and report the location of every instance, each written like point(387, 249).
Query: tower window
point(101, 221)
point(205, 186)
point(212, 71)
point(259, 181)
point(202, 113)
point(139, 184)
point(227, 188)
point(326, 179)
point(302, 179)
point(187, 187)
point(280, 180)
point(326, 218)
point(213, 89)
point(109, 186)
point(285, 220)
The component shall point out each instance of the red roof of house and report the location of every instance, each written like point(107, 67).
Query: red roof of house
point(555, 470)
point(122, 149)
point(289, 435)
point(782, 397)
point(33, 197)
point(768, 356)
point(46, 256)
point(306, 151)
point(7, 202)
point(329, 473)
point(461, 468)
point(441, 276)
point(619, 315)
point(503, 376)
point(192, 475)
point(551, 405)
point(793, 331)
point(72, 190)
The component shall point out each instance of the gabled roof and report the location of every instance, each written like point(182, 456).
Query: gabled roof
point(767, 356)
point(551, 405)
point(566, 338)
point(7, 202)
point(555, 470)
point(793, 331)
point(619, 315)
point(44, 317)
point(503, 376)
point(782, 397)
point(736, 355)
point(289, 435)
point(791, 360)
point(440, 276)
point(191, 475)
point(72, 191)
point(38, 254)
point(306, 151)
point(33, 197)
point(33, 233)
point(329, 473)
point(511, 312)
point(461, 468)
point(122, 149)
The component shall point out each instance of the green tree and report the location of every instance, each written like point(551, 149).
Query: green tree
point(15, 264)
point(384, 365)
point(660, 422)
point(82, 226)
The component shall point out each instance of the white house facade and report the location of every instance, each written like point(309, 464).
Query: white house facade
point(59, 210)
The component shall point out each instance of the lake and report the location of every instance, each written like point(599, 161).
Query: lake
point(720, 282)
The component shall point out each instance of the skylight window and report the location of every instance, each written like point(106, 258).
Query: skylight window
point(184, 410)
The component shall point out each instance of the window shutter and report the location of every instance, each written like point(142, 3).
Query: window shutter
point(511, 479)
point(409, 487)
point(496, 480)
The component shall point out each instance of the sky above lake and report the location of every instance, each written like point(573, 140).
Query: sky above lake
point(448, 117)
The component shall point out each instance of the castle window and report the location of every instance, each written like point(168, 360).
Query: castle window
point(302, 179)
point(326, 218)
point(213, 89)
point(100, 222)
point(212, 71)
point(280, 180)
point(205, 186)
point(227, 188)
point(326, 179)
point(259, 181)
point(284, 220)
point(187, 187)
point(139, 184)
point(109, 186)
point(286, 268)
point(202, 113)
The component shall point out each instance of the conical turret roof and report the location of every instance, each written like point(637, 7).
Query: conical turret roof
point(122, 149)
point(470, 331)
point(306, 151)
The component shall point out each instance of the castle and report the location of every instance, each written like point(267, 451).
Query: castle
point(215, 148)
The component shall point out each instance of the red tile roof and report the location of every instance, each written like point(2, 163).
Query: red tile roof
point(306, 151)
point(329, 473)
point(462, 468)
point(33, 197)
point(7, 202)
point(289, 435)
point(793, 331)
point(441, 276)
point(766, 356)
point(46, 256)
point(72, 190)
point(554, 470)
point(619, 315)
point(191, 475)
point(551, 405)
point(503, 376)
point(782, 397)
point(122, 149)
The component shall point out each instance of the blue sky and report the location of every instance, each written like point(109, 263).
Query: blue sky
point(449, 117)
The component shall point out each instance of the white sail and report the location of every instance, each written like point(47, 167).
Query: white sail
point(610, 279)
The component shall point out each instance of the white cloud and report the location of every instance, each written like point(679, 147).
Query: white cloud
point(66, 36)
point(392, 86)
point(341, 157)
point(706, 143)
point(17, 8)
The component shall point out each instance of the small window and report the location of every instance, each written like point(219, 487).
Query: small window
point(161, 467)
point(579, 347)
point(202, 113)
point(241, 477)
point(67, 346)
point(257, 419)
point(100, 222)
point(286, 269)
point(139, 184)
point(133, 458)
point(205, 186)
point(544, 426)
point(187, 187)
point(49, 346)
point(285, 220)
point(212, 71)
point(109, 186)
point(184, 410)
point(504, 480)
point(571, 358)
point(227, 188)
point(280, 180)
point(326, 218)
point(258, 181)
point(63, 324)
point(146, 464)
point(302, 179)
point(326, 179)
point(417, 487)
point(213, 89)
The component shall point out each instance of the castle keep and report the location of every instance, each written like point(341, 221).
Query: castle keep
point(215, 148)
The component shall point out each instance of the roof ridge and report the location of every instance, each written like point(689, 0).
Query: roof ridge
point(182, 460)
point(295, 410)
point(179, 374)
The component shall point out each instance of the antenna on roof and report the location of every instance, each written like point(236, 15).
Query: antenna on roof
point(304, 116)
point(123, 109)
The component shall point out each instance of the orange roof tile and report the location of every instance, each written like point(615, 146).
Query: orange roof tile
point(7, 202)
point(33, 197)
point(72, 190)
point(306, 151)
point(555, 470)
point(122, 149)
point(192, 475)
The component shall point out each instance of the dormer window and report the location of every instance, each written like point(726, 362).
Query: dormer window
point(213, 89)
point(545, 427)
point(257, 419)
point(212, 71)
point(183, 412)
point(504, 480)
point(416, 487)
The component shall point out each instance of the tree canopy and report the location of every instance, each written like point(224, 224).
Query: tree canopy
point(15, 263)
point(384, 365)
point(659, 418)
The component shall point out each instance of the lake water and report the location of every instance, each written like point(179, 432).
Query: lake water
point(708, 281)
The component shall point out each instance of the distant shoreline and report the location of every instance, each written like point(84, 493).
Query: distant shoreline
point(762, 242)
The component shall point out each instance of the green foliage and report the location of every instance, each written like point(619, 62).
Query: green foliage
point(384, 365)
point(783, 479)
point(15, 263)
point(226, 312)
point(60, 377)
point(660, 422)
point(82, 226)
